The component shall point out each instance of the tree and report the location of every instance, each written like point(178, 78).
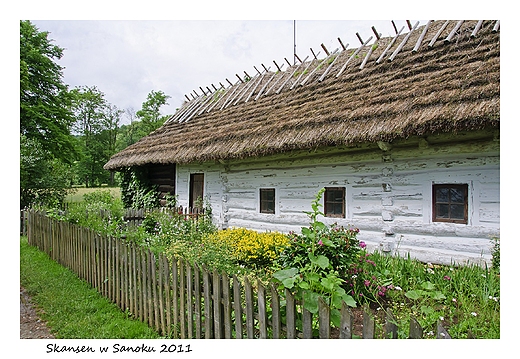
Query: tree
point(150, 114)
point(96, 124)
point(44, 99)
point(47, 147)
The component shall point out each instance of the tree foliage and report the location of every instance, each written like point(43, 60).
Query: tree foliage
point(97, 123)
point(47, 147)
point(44, 111)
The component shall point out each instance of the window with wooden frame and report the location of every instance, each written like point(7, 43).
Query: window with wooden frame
point(334, 199)
point(450, 203)
point(267, 200)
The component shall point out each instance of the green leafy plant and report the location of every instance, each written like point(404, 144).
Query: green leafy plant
point(308, 270)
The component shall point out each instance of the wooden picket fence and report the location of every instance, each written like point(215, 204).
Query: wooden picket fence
point(184, 301)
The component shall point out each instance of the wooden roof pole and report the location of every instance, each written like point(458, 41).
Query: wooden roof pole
point(352, 56)
point(432, 41)
point(421, 38)
point(477, 27)
point(315, 69)
point(453, 32)
point(301, 75)
point(322, 77)
point(287, 80)
point(282, 74)
point(389, 45)
point(341, 43)
point(401, 45)
point(257, 84)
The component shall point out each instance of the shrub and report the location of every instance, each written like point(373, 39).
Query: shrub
point(250, 247)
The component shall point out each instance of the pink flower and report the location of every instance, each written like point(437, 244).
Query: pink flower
point(367, 283)
point(362, 244)
point(320, 243)
point(447, 277)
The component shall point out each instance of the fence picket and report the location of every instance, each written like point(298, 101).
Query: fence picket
point(262, 312)
point(346, 323)
point(237, 306)
point(369, 324)
point(198, 308)
point(323, 319)
point(248, 290)
point(208, 307)
point(276, 316)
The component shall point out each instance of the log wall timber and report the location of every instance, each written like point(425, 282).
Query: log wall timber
point(163, 176)
point(388, 192)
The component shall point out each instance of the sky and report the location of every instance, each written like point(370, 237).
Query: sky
point(127, 59)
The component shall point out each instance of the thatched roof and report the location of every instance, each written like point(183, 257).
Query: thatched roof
point(445, 85)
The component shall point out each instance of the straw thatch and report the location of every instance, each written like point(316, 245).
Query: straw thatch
point(449, 87)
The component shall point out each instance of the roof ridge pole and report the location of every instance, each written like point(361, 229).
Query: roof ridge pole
point(179, 112)
point(282, 74)
point(421, 38)
point(389, 45)
point(245, 89)
point(477, 27)
point(301, 75)
point(401, 45)
point(432, 41)
point(322, 77)
point(453, 32)
point(315, 69)
point(230, 97)
point(369, 53)
point(352, 56)
point(263, 87)
point(179, 115)
point(296, 69)
point(189, 112)
point(256, 86)
point(218, 101)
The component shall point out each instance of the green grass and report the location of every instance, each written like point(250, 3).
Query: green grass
point(77, 193)
point(71, 308)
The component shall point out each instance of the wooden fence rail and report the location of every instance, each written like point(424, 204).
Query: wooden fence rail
point(183, 301)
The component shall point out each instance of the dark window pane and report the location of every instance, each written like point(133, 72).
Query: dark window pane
point(442, 194)
point(457, 211)
point(267, 200)
point(443, 211)
point(456, 195)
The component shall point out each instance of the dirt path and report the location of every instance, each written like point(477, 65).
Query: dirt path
point(31, 326)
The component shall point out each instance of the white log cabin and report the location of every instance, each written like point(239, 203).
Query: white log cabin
point(403, 134)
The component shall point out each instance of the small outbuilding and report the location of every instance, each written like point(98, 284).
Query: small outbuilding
point(403, 133)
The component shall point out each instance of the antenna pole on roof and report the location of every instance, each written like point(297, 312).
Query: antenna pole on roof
point(343, 46)
point(395, 27)
point(294, 42)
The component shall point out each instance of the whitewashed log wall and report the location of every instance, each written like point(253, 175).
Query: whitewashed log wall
point(388, 193)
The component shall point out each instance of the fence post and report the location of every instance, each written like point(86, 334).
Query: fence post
point(262, 313)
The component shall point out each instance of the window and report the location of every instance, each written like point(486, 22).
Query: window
point(196, 190)
point(450, 203)
point(335, 202)
point(267, 200)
